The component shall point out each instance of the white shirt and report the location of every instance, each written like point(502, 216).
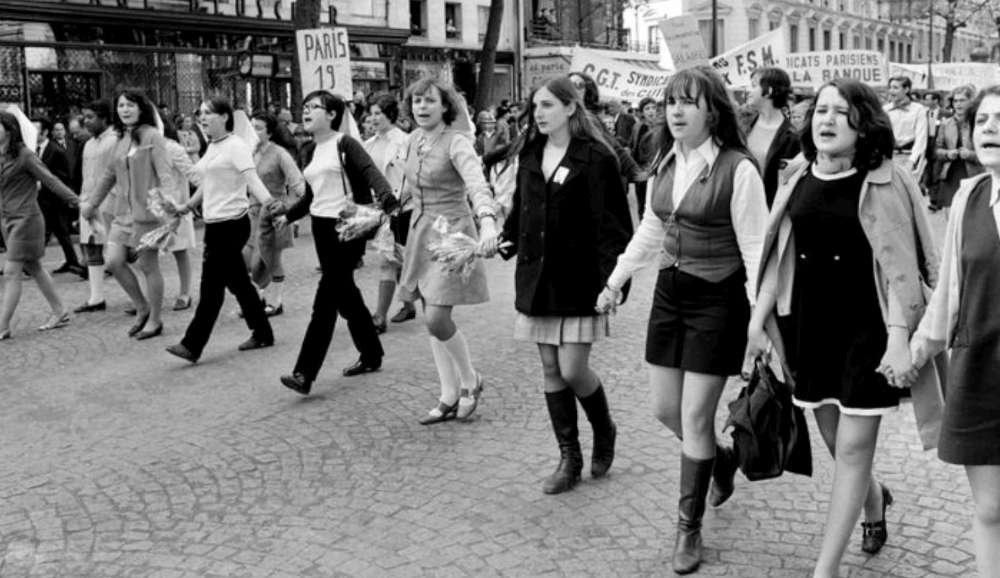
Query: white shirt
point(325, 175)
point(223, 183)
point(388, 151)
point(909, 125)
point(98, 153)
point(747, 207)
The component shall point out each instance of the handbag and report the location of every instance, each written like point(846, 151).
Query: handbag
point(770, 435)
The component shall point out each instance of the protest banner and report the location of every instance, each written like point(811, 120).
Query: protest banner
point(949, 75)
point(324, 60)
point(811, 69)
point(538, 69)
point(619, 80)
point(736, 65)
point(684, 41)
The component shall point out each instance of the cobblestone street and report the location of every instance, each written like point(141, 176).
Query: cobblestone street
point(119, 460)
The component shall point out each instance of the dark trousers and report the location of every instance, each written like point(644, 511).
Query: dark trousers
point(336, 293)
point(640, 199)
point(223, 268)
point(57, 223)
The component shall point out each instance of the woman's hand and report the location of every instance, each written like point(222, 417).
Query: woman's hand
point(897, 364)
point(87, 211)
point(607, 301)
point(488, 240)
point(966, 154)
point(952, 154)
point(758, 343)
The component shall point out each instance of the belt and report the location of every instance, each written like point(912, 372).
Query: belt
point(902, 150)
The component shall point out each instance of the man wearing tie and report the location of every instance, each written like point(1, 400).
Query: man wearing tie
point(909, 125)
point(935, 114)
point(54, 158)
point(623, 123)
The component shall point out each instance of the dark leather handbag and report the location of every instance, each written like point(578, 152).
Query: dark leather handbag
point(770, 435)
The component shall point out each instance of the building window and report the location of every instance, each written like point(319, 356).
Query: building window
point(793, 37)
point(653, 39)
point(827, 40)
point(754, 28)
point(892, 51)
point(842, 40)
point(720, 32)
point(773, 24)
point(909, 53)
point(452, 21)
point(484, 21)
point(857, 42)
point(881, 45)
point(418, 18)
point(868, 42)
point(812, 38)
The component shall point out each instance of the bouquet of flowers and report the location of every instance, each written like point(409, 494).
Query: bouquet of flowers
point(165, 209)
point(454, 250)
point(359, 221)
point(385, 245)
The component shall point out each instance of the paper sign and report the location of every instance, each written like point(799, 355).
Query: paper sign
point(736, 65)
point(618, 80)
point(812, 69)
point(324, 60)
point(684, 41)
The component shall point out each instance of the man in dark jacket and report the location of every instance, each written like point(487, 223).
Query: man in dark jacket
point(57, 218)
point(624, 123)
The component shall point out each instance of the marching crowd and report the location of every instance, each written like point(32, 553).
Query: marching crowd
point(793, 232)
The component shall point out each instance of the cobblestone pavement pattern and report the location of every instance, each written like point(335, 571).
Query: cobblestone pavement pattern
point(119, 460)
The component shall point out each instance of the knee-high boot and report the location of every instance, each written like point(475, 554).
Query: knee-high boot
point(605, 431)
point(562, 412)
point(723, 476)
point(696, 475)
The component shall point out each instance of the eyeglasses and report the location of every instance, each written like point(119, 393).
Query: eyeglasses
point(309, 107)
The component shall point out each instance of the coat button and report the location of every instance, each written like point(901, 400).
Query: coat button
point(836, 257)
point(802, 256)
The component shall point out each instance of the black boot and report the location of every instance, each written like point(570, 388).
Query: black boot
point(562, 411)
point(695, 478)
point(723, 476)
point(605, 431)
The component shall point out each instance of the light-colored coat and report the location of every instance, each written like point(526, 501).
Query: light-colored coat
point(892, 216)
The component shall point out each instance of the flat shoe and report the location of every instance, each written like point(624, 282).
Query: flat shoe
point(875, 534)
point(362, 366)
point(469, 401)
point(139, 324)
point(272, 311)
point(55, 322)
point(182, 303)
point(440, 413)
point(5, 335)
point(149, 333)
point(254, 343)
point(90, 308)
point(131, 311)
point(184, 353)
point(404, 314)
point(297, 383)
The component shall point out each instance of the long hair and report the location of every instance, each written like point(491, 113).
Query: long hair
point(693, 84)
point(13, 129)
point(449, 98)
point(582, 124)
point(330, 103)
point(147, 112)
point(865, 115)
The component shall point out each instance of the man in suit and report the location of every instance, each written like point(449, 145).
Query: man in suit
point(623, 122)
point(489, 138)
point(56, 216)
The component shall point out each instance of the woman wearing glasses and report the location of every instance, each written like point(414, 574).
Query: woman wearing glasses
point(443, 174)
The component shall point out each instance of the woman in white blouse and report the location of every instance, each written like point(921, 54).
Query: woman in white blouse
point(706, 214)
point(225, 174)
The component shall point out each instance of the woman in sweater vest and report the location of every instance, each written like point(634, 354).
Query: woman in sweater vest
point(962, 316)
point(445, 179)
point(845, 212)
point(569, 221)
point(705, 214)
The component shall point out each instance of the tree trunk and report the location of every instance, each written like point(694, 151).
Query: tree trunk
point(305, 15)
point(484, 85)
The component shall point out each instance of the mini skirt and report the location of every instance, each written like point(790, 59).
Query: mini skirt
point(697, 325)
point(555, 330)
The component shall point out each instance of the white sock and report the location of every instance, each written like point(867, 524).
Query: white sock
point(277, 291)
point(95, 278)
point(458, 349)
point(447, 372)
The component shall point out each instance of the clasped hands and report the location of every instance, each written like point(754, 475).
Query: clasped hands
point(608, 300)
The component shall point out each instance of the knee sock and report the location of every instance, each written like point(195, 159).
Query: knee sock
point(95, 278)
point(447, 372)
point(277, 287)
point(458, 349)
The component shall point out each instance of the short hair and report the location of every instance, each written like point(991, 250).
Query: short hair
point(101, 109)
point(13, 129)
point(865, 115)
point(220, 105)
point(269, 120)
point(973, 109)
point(591, 94)
point(705, 82)
point(646, 101)
point(330, 103)
point(449, 98)
point(934, 95)
point(389, 106)
point(147, 113)
point(774, 84)
point(903, 81)
point(967, 89)
point(44, 123)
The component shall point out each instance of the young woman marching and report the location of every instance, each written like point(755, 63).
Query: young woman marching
point(283, 179)
point(842, 272)
point(338, 171)
point(141, 162)
point(962, 316)
point(954, 158)
point(225, 174)
point(706, 214)
point(443, 174)
point(23, 225)
point(570, 220)
point(184, 239)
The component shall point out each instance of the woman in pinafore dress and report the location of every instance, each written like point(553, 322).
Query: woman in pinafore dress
point(845, 213)
point(569, 221)
point(962, 316)
point(23, 225)
point(442, 175)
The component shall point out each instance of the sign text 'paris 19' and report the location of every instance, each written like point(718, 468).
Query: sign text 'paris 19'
point(324, 60)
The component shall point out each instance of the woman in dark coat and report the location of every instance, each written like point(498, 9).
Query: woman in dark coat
point(22, 224)
point(569, 221)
